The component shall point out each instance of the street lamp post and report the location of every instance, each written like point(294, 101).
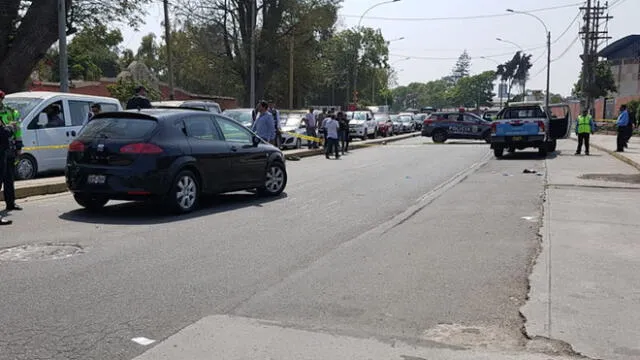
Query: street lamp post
point(357, 49)
point(524, 81)
point(546, 29)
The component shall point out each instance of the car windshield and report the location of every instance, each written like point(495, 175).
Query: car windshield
point(395, 117)
point(405, 118)
point(531, 112)
point(359, 116)
point(118, 128)
point(23, 104)
point(292, 120)
point(243, 117)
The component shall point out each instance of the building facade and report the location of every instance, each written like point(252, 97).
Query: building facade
point(624, 58)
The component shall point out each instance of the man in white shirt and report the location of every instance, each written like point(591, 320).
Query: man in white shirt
point(331, 127)
point(312, 126)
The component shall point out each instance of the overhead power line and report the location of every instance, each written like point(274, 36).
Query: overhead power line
point(486, 16)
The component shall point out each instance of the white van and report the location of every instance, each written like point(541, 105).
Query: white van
point(46, 137)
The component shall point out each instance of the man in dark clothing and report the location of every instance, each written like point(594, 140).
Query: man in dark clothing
point(139, 100)
point(344, 132)
point(5, 148)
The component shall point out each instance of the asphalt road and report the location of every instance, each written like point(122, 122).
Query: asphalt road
point(361, 246)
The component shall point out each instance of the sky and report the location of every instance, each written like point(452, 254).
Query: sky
point(433, 44)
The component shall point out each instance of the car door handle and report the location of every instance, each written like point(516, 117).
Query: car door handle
point(234, 148)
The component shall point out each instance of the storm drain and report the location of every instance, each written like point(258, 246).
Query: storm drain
point(39, 252)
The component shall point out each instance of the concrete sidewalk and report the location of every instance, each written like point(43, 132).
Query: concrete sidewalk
point(584, 285)
point(54, 185)
point(607, 143)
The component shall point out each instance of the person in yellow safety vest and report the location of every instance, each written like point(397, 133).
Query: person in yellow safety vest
point(11, 119)
point(584, 128)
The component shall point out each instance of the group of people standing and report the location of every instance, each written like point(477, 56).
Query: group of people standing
point(585, 126)
point(335, 128)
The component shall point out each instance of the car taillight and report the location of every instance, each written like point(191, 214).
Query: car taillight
point(494, 127)
point(428, 122)
point(541, 125)
point(76, 146)
point(141, 148)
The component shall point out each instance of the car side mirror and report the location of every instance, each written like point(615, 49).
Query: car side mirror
point(255, 140)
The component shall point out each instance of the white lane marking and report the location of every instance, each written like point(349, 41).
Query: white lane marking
point(143, 341)
point(530, 218)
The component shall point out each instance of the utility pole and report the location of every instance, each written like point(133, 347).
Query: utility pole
point(594, 13)
point(167, 36)
point(62, 43)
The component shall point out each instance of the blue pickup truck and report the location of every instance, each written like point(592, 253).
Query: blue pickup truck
point(522, 125)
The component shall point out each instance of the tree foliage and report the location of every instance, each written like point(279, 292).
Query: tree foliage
point(29, 28)
point(124, 88)
point(515, 71)
point(462, 67)
point(474, 91)
point(603, 85)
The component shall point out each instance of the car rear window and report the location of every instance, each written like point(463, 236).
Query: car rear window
point(119, 128)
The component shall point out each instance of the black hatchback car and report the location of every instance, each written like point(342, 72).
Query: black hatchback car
point(172, 156)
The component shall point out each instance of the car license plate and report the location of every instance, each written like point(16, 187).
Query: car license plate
point(516, 138)
point(96, 179)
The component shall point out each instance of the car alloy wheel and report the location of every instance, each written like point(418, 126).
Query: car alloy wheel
point(439, 137)
point(26, 168)
point(275, 180)
point(184, 194)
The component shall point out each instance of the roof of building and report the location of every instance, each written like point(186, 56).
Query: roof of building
point(619, 45)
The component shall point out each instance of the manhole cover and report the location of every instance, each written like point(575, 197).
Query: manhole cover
point(39, 252)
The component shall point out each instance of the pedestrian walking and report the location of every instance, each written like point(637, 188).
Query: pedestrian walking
point(139, 100)
point(264, 126)
point(331, 127)
point(344, 132)
point(584, 128)
point(311, 125)
point(622, 123)
point(10, 119)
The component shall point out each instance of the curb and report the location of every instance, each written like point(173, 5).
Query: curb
point(61, 187)
point(616, 155)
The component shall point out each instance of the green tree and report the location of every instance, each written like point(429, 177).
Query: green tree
point(124, 88)
point(29, 28)
point(475, 91)
point(462, 67)
point(515, 71)
point(277, 22)
point(604, 83)
point(436, 93)
point(149, 52)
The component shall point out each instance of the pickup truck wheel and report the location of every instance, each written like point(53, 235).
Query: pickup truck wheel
point(498, 151)
point(439, 136)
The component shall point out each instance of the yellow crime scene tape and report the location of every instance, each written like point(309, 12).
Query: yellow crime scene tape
point(45, 147)
point(304, 137)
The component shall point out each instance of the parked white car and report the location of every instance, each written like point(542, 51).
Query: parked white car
point(362, 124)
point(291, 123)
point(46, 136)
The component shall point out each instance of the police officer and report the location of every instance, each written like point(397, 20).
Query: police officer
point(139, 100)
point(10, 147)
point(584, 129)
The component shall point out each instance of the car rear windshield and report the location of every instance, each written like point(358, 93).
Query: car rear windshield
point(119, 128)
point(529, 112)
